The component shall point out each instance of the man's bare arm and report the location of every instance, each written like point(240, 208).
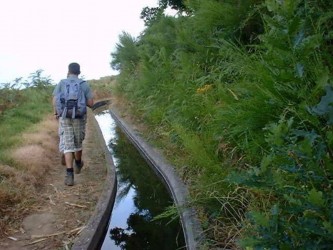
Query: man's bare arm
point(90, 103)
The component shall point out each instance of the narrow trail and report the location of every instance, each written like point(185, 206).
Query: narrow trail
point(61, 212)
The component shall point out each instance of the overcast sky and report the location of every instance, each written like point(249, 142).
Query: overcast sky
point(48, 35)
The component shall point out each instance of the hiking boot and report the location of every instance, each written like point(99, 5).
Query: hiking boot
point(78, 167)
point(69, 179)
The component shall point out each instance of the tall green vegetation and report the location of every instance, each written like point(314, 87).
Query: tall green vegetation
point(242, 91)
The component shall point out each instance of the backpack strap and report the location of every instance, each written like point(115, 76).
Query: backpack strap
point(64, 113)
point(73, 113)
point(63, 89)
point(74, 108)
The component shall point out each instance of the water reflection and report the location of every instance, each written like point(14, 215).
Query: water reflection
point(140, 197)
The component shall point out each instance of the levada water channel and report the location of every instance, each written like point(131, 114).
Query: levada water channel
point(141, 196)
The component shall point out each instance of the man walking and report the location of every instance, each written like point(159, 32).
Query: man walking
point(71, 96)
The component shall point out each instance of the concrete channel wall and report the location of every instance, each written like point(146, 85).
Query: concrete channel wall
point(192, 230)
point(93, 234)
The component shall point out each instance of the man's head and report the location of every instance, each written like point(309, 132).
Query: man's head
point(74, 68)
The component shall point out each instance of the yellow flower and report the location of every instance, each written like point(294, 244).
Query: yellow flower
point(204, 89)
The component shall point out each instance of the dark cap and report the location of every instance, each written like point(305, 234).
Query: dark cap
point(74, 68)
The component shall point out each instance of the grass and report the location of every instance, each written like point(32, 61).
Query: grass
point(23, 157)
point(28, 110)
point(234, 114)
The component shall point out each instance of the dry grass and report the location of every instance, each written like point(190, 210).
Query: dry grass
point(38, 146)
point(17, 188)
point(44, 134)
point(19, 183)
point(21, 180)
point(32, 159)
point(69, 207)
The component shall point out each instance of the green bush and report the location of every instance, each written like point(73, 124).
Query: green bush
point(235, 86)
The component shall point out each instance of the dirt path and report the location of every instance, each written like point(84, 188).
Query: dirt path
point(60, 212)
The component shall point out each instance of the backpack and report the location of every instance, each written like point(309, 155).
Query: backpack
point(70, 99)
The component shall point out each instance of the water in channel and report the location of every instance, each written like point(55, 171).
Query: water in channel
point(141, 196)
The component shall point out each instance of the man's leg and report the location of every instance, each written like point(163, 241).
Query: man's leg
point(79, 134)
point(61, 144)
point(68, 146)
point(69, 160)
point(69, 179)
point(78, 155)
point(78, 162)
